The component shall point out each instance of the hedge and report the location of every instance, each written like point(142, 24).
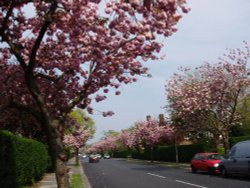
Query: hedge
point(167, 153)
point(185, 152)
point(122, 153)
point(22, 160)
point(235, 140)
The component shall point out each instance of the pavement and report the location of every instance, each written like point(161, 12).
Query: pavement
point(49, 179)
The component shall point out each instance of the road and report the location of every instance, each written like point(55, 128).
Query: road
point(119, 173)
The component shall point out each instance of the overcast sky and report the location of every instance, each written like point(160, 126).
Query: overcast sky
point(203, 35)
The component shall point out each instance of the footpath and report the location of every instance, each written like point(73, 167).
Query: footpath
point(49, 179)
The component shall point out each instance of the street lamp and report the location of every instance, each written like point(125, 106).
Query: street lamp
point(176, 150)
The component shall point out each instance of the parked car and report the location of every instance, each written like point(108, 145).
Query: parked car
point(206, 162)
point(237, 161)
point(106, 156)
point(99, 156)
point(94, 159)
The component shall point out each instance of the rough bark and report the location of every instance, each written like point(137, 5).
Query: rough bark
point(225, 138)
point(151, 154)
point(77, 155)
point(54, 138)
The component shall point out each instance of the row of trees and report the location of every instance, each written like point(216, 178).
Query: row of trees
point(143, 134)
point(212, 99)
point(56, 55)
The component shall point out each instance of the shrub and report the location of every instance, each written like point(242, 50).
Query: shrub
point(22, 160)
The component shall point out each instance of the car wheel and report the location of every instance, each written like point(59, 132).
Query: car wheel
point(210, 170)
point(223, 171)
point(193, 169)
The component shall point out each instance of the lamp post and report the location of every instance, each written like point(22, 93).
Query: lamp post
point(176, 150)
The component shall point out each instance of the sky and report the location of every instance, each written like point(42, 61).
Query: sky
point(203, 34)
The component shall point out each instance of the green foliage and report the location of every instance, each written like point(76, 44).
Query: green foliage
point(243, 108)
point(68, 152)
point(110, 133)
point(82, 119)
point(209, 144)
point(235, 140)
point(221, 151)
point(23, 160)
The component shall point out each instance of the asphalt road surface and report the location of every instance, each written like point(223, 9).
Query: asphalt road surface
point(119, 173)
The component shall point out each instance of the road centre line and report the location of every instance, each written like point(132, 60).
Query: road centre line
point(177, 181)
point(190, 184)
point(156, 175)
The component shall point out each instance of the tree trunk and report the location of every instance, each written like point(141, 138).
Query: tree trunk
point(225, 138)
point(176, 151)
point(151, 154)
point(54, 137)
point(77, 155)
point(58, 155)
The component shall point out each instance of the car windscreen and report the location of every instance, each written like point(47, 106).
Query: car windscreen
point(214, 157)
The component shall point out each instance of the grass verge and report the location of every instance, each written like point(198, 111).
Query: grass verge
point(76, 181)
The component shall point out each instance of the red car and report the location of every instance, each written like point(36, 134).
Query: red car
point(206, 162)
point(94, 159)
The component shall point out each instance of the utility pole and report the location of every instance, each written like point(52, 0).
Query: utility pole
point(176, 151)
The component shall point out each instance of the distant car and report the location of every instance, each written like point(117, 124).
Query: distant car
point(208, 162)
point(106, 156)
point(99, 156)
point(94, 159)
point(237, 161)
point(84, 156)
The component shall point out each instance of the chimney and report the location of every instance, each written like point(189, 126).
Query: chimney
point(148, 117)
point(161, 120)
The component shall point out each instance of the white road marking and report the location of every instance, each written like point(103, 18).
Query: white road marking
point(156, 175)
point(195, 185)
point(190, 184)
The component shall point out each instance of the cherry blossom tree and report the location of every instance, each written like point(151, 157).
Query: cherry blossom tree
point(144, 134)
point(21, 123)
point(128, 138)
point(149, 133)
point(107, 144)
point(207, 98)
point(58, 54)
point(97, 147)
point(81, 129)
point(111, 143)
point(77, 139)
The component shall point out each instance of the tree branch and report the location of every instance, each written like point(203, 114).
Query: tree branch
point(47, 22)
point(3, 33)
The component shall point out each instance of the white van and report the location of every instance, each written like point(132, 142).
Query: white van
point(237, 161)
